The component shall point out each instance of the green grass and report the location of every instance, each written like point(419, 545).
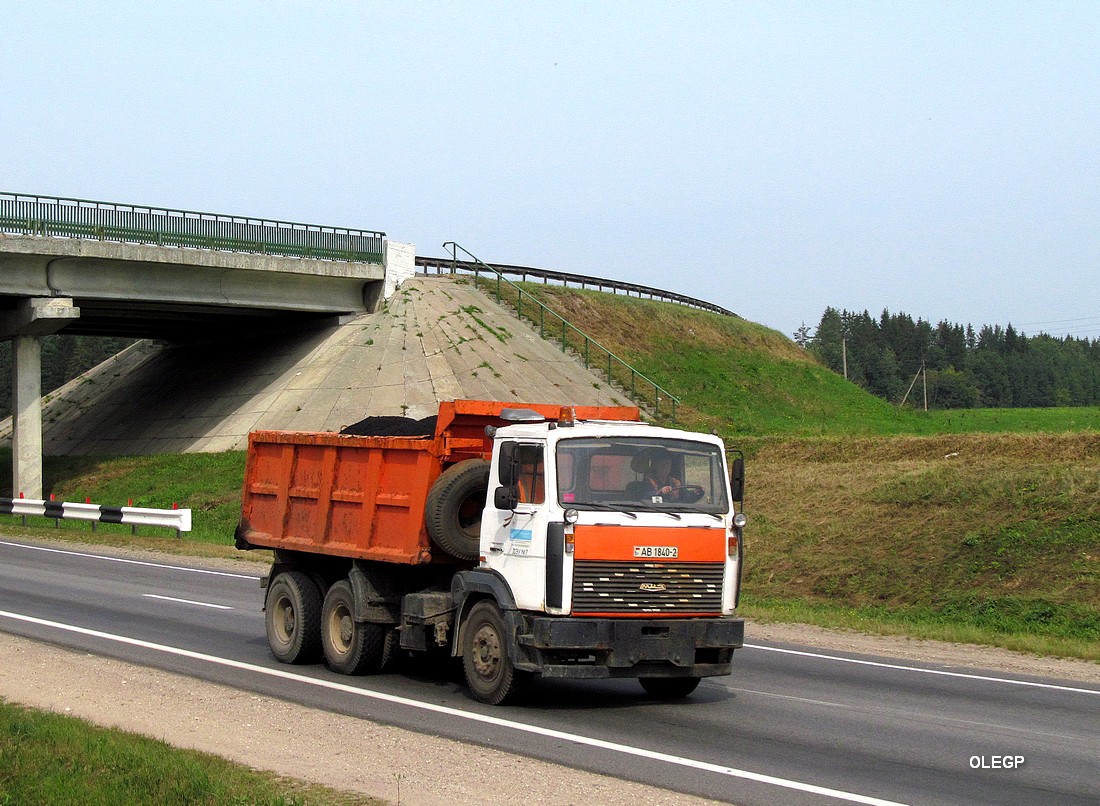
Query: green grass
point(858, 518)
point(743, 379)
point(46, 758)
point(980, 523)
point(976, 537)
point(997, 545)
point(962, 421)
point(951, 625)
point(979, 526)
point(207, 483)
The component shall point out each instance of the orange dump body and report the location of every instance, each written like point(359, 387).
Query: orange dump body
point(362, 496)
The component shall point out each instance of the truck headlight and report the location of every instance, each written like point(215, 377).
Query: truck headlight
point(739, 520)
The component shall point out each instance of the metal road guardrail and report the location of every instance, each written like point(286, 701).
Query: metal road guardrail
point(178, 519)
point(618, 371)
point(27, 214)
point(452, 266)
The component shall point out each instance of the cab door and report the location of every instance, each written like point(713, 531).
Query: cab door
point(518, 546)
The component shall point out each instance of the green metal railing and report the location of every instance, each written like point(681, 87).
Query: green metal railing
point(587, 348)
point(126, 223)
point(571, 280)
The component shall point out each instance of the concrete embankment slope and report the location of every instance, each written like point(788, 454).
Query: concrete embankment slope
point(437, 338)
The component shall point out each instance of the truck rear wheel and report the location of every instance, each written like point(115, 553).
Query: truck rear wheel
point(454, 506)
point(293, 618)
point(489, 670)
point(350, 647)
point(669, 688)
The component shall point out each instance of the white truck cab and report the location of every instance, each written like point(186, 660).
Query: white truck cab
point(616, 548)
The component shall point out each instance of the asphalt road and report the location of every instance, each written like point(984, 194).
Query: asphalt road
point(792, 725)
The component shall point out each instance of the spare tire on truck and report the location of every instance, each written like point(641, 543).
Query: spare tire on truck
point(455, 503)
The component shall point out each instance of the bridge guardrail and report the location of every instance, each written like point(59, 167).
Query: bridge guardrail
point(618, 371)
point(126, 223)
point(452, 266)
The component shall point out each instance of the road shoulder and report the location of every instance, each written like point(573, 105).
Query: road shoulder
point(265, 733)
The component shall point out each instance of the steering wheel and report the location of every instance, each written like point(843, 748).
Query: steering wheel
point(688, 493)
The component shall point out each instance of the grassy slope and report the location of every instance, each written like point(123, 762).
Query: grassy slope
point(986, 538)
point(208, 483)
point(856, 516)
point(725, 370)
point(979, 525)
point(744, 379)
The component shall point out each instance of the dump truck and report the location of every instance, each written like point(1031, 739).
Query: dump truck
point(525, 539)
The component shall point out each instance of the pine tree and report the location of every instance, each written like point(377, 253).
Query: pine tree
point(827, 343)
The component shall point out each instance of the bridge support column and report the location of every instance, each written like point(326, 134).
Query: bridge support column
point(26, 432)
point(26, 325)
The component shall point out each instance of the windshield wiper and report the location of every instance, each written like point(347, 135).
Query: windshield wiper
point(608, 506)
point(656, 508)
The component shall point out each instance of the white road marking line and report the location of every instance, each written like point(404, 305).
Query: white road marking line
point(131, 562)
point(941, 672)
point(587, 741)
point(186, 601)
point(818, 655)
point(824, 703)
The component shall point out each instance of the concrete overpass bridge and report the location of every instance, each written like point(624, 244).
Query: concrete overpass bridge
point(98, 268)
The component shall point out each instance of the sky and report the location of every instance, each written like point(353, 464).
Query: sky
point(936, 158)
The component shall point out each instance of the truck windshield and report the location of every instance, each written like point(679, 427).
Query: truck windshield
point(633, 473)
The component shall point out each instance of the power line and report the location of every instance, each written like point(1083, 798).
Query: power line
point(1095, 319)
point(1070, 330)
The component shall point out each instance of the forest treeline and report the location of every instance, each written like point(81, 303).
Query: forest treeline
point(63, 358)
point(993, 367)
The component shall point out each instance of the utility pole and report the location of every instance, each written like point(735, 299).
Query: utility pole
point(913, 383)
point(844, 354)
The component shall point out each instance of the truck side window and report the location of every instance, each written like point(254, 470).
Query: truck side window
point(700, 471)
point(530, 479)
point(566, 473)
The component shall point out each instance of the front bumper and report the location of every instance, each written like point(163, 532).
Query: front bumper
point(605, 647)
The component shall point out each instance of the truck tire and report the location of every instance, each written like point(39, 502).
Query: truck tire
point(454, 506)
point(669, 688)
point(489, 671)
point(292, 614)
point(350, 647)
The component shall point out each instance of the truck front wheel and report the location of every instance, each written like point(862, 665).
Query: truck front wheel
point(489, 670)
point(351, 647)
point(669, 688)
point(293, 618)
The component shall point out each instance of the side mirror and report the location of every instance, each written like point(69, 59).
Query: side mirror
point(506, 498)
point(737, 479)
point(506, 467)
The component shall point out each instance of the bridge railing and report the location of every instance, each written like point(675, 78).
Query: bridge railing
point(553, 326)
point(449, 265)
point(127, 223)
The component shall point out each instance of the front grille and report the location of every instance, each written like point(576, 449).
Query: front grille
point(637, 587)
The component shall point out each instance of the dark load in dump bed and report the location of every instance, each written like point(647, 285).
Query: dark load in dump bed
point(392, 426)
point(381, 497)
